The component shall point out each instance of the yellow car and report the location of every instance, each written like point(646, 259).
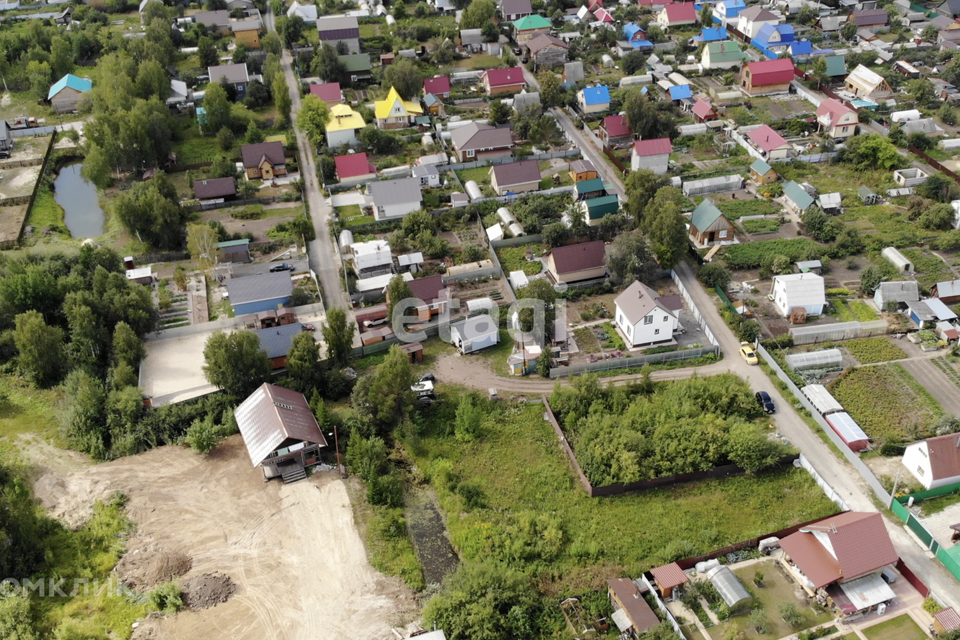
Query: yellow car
point(748, 354)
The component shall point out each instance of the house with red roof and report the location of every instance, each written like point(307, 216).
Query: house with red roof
point(438, 86)
point(354, 168)
point(329, 92)
point(766, 77)
point(842, 557)
point(677, 14)
point(653, 155)
point(836, 119)
point(935, 462)
point(703, 111)
point(771, 144)
point(614, 130)
point(501, 81)
point(577, 262)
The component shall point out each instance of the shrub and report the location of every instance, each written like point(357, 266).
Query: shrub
point(790, 614)
point(167, 598)
point(931, 606)
point(385, 491)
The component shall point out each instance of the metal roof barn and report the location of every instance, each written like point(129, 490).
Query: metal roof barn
point(848, 430)
point(712, 185)
point(821, 399)
point(815, 359)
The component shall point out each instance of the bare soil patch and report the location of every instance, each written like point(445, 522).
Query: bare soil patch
point(208, 590)
point(146, 568)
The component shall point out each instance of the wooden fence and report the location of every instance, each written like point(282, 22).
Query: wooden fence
point(238, 203)
point(616, 161)
point(36, 186)
point(934, 163)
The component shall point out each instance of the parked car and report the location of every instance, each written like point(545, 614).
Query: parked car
point(748, 354)
point(370, 324)
point(307, 327)
point(283, 266)
point(765, 401)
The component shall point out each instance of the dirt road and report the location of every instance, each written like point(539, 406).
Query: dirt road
point(935, 381)
point(293, 550)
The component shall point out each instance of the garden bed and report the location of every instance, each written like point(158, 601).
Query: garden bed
point(515, 258)
point(870, 350)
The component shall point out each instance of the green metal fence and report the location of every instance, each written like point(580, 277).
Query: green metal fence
point(948, 557)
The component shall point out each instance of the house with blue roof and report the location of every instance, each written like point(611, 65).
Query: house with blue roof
point(773, 39)
point(725, 12)
point(594, 99)
point(801, 49)
point(635, 36)
point(65, 95)
point(713, 34)
point(680, 92)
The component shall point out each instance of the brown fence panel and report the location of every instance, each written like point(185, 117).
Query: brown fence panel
point(934, 163)
point(912, 578)
point(615, 160)
point(568, 450)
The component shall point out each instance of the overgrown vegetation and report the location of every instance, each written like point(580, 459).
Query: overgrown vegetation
point(870, 350)
point(752, 254)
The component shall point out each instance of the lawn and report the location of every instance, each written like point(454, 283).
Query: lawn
point(870, 350)
point(515, 259)
point(761, 225)
point(886, 402)
point(480, 175)
point(752, 254)
point(930, 268)
point(734, 209)
point(478, 62)
point(899, 628)
point(25, 409)
point(45, 211)
point(776, 590)
point(523, 481)
point(352, 215)
point(938, 504)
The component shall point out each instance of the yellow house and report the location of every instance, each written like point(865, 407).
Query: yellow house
point(343, 125)
point(247, 33)
point(395, 112)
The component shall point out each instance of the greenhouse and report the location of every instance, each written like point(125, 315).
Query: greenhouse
point(815, 359)
point(821, 399)
point(712, 185)
point(837, 331)
point(734, 594)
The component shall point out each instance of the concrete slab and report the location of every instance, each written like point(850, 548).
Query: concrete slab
point(173, 369)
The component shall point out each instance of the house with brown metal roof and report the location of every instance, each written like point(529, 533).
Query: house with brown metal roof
point(516, 177)
point(215, 188)
point(581, 170)
point(631, 613)
point(280, 431)
point(668, 577)
point(577, 262)
point(842, 557)
point(934, 462)
point(642, 318)
point(431, 292)
point(548, 50)
point(481, 142)
point(263, 161)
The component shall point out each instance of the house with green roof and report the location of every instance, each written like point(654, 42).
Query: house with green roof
point(722, 55)
point(596, 209)
point(796, 198)
point(529, 27)
point(708, 225)
point(836, 66)
point(586, 189)
point(66, 93)
point(762, 173)
point(357, 67)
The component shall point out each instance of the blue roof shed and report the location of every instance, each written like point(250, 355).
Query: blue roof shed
point(680, 91)
point(596, 95)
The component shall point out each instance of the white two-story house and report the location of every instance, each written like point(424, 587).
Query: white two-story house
point(934, 462)
point(642, 318)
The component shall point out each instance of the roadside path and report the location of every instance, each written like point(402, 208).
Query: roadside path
point(323, 256)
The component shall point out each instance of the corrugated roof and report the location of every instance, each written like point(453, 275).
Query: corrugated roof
point(517, 173)
point(395, 106)
point(779, 71)
point(638, 612)
point(584, 166)
point(669, 576)
point(543, 41)
point(596, 95)
point(342, 118)
point(761, 167)
point(940, 310)
point(531, 22)
point(271, 417)
point(705, 215)
point(899, 291)
point(428, 289)
point(680, 12)
point(637, 301)
point(725, 51)
point(616, 127)
point(245, 25)
point(654, 147)
point(217, 18)
point(797, 195)
point(758, 14)
point(401, 191)
point(276, 341)
point(338, 27)
point(589, 186)
point(77, 84)
point(944, 452)
point(214, 188)
point(578, 257)
point(233, 73)
point(848, 430)
point(481, 136)
point(252, 154)
point(821, 398)
point(836, 66)
point(948, 288)
point(356, 62)
point(265, 286)
point(802, 289)
point(702, 108)
point(766, 138)
point(680, 92)
point(948, 619)
point(437, 86)
point(352, 165)
point(328, 92)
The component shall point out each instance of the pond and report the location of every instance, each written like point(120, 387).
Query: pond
point(79, 198)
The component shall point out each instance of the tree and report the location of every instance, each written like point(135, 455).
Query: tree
point(217, 106)
point(939, 217)
point(127, 346)
point(820, 69)
point(848, 31)
point(366, 457)
point(629, 258)
point(254, 133)
point(271, 43)
point(391, 388)
point(404, 76)
point(399, 10)
point(485, 601)
point(16, 623)
point(313, 117)
point(714, 274)
point(871, 151)
point(152, 80)
point(632, 62)
point(225, 139)
point(477, 14)
point(555, 234)
point(870, 279)
point(543, 291)
point(202, 245)
point(758, 617)
point(921, 90)
point(338, 335)
point(61, 57)
point(544, 364)
point(668, 233)
point(207, 53)
point(552, 93)
point(180, 278)
point(645, 119)
point(790, 613)
point(706, 15)
point(499, 112)
point(641, 186)
point(235, 362)
point(491, 33)
point(303, 362)
point(820, 227)
point(281, 97)
point(291, 30)
point(397, 291)
point(257, 95)
point(327, 64)
point(40, 347)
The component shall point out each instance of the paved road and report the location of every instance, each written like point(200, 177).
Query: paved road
point(838, 473)
point(323, 256)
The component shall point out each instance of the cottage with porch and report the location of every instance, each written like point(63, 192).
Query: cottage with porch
point(708, 225)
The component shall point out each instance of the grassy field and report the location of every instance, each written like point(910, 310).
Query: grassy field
point(899, 628)
point(886, 402)
point(930, 268)
point(25, 409)
point(776, 590)
point(521, 473)
point(514, 259)
point(478, 62)
point(853, 311)
point(764, 225)
point(938, 504)
point(352, 215)
point(870, 350)
point(45, 211)
point(734, 209)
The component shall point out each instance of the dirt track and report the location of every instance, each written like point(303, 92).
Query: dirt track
point(293, 550)
point(936, 382)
